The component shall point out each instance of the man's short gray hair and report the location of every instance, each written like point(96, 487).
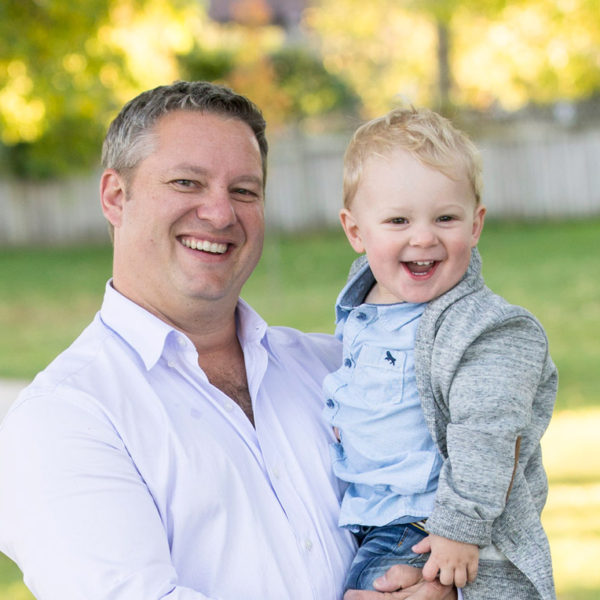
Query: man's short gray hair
point(130, 137)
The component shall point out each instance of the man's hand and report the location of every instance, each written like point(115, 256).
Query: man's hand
point(402, 582)
point(456, 562)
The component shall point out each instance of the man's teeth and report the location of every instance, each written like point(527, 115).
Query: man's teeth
point(205, 246)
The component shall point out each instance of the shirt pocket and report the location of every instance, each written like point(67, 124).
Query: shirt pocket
point(379, 375)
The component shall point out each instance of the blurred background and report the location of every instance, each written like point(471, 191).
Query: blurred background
point(522, 77)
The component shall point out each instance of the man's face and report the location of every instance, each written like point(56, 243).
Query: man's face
point(189, 225)
point(416, 225)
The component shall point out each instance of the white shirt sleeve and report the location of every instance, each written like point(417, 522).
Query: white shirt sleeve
point(76, 498)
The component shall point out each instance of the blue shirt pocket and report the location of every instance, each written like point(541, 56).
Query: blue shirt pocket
point(379, 375)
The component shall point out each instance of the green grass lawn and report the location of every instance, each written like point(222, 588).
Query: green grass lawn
point(48, 295)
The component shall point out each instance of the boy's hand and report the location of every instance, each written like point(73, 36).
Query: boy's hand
point(402, 582)
point(456, 562)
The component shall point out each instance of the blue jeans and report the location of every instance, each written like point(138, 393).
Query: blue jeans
point(380, 548)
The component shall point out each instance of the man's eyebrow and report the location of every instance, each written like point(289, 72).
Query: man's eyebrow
point(198, 170)
point(249, 178)
point(188, 168)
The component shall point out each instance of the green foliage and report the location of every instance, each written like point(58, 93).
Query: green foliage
point(501, 52)
point(205, 64)
point(306, 89)
point(72, 144)
point(54, 102)
point(65, 70)
point(311, 88)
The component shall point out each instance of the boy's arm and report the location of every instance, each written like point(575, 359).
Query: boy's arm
point(490, 401)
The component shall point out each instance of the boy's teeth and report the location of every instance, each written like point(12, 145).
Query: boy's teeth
point(423, 263)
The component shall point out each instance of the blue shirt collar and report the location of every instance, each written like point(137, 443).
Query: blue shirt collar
point(353, 294)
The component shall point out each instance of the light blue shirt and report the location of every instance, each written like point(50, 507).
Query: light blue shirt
point(386, 453)
point(125, 475)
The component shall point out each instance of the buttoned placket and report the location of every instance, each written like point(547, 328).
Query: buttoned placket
point(181, 356)
point(283, 479)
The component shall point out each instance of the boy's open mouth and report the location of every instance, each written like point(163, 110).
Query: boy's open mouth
point(421, 268)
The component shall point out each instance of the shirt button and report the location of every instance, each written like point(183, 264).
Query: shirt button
point(171, 364)
point(308, 545)
point(347, 362)
point(361, 316)
point(330, 403)
point(181, 341)
point(229, 406)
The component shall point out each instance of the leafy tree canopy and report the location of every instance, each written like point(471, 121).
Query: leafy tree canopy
point(66, 68)
point(502, 52)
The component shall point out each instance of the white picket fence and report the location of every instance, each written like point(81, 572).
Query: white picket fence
point(555, 175)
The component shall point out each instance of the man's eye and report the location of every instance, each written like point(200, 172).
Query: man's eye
point(246, 194)
point(187, 183)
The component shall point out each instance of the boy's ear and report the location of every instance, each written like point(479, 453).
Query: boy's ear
point(351, 230)
point(112, 196)
point(478, 220)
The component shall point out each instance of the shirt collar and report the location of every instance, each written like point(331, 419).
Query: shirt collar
point(251, 327)
point(147, 334)
point(361, 280)
point(359, 283)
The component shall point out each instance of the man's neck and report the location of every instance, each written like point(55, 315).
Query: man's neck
point(220, 354)
point(212, 328)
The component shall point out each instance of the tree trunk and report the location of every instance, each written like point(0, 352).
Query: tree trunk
point(444, 75)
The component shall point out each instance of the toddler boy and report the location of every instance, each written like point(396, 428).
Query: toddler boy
point(445, 388)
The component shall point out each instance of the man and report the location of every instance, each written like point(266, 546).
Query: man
point(176, 449)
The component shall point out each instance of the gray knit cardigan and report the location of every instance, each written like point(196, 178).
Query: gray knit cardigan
point(487, 386)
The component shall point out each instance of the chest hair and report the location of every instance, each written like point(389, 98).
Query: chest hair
point(230, 377)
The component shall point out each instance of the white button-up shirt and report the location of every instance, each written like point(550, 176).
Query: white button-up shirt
point(124, 474)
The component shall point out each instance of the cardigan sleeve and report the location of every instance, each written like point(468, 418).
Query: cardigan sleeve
point(489, 392)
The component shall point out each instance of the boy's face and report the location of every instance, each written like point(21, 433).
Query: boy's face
point(416, 225)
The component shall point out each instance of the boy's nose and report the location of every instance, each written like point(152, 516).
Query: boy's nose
point(423, 236)
point(217, 208)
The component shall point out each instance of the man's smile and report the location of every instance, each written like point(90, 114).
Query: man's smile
point(204, 245)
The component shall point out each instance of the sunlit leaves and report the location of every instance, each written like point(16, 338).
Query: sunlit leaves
point(502, 52)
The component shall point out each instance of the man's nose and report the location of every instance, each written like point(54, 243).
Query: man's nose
point(217, 207)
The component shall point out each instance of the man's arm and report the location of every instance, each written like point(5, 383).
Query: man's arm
point(402, 582)
point(75, 513)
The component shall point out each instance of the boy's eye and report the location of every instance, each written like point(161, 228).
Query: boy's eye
point(399, 220)
point(445, 218)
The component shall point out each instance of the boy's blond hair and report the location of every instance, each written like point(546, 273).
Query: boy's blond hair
point(426, 135)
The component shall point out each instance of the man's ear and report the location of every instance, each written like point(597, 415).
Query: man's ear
point(351, 229)
point(112, 196)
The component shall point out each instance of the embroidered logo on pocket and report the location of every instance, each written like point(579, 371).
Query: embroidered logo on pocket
point(390, 358)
